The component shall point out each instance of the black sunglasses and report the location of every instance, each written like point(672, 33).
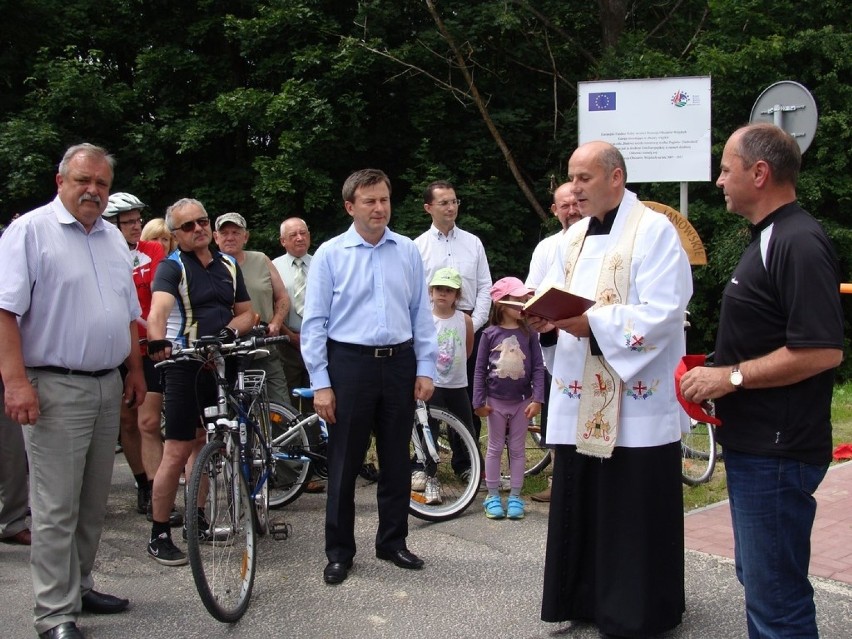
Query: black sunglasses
point(186, 227)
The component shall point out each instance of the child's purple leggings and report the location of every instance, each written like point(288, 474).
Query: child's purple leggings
point(506, 416)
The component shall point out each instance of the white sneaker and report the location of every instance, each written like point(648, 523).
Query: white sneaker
point(433, 491)
point(418, 481)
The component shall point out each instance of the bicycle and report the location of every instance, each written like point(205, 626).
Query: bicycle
point(698, 443)
point(434, 433)
point(698, 453)
point(231, 477)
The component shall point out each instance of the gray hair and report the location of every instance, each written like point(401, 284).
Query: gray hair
point(611, 159)
point(184, 201)
point(291, 219)
point(86, 149)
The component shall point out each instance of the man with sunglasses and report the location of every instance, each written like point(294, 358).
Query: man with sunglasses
point(197, 292)
point(140, 428)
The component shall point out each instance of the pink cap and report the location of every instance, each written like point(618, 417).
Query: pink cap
point(508, 286)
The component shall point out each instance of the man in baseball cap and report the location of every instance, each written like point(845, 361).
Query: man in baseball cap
point(231, 218)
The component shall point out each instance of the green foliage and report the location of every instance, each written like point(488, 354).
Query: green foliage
point(265, 107)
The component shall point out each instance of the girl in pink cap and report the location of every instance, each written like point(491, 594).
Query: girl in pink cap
point(508, 389)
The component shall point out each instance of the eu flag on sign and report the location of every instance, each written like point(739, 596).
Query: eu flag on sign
point(602, 101)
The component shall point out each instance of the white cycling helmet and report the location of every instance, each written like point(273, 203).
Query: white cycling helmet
point(121, 203)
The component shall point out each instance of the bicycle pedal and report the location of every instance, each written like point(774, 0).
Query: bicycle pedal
point(279, 530)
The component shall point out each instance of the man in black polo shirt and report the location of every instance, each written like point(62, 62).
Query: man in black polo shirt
point(780, 339)
point(197, 291)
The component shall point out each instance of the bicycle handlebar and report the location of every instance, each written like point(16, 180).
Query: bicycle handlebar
point(206, 346)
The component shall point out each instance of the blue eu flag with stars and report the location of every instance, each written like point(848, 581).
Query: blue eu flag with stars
point(602, 101)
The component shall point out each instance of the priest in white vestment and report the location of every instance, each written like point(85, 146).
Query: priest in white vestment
point(615, 536)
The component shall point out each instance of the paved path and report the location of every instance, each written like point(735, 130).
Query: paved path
point(709, 529)
point(482, 580)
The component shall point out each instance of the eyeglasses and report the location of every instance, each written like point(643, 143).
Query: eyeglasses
point(186, 227)
point(448, 202)
point(138, 221)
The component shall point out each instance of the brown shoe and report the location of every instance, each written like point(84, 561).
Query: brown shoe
point(544, 495)
point(22, 538)
point(315, 487)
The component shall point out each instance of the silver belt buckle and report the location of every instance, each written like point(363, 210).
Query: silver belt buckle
point(383, 352)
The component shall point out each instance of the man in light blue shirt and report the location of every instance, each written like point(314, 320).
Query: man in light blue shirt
point(370, 347)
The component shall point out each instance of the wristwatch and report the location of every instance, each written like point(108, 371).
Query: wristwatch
point(736, 378)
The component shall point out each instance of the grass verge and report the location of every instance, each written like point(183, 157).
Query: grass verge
point(716, 489)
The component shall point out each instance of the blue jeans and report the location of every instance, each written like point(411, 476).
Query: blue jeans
point(772, 510)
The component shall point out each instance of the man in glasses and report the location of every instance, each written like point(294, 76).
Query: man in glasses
point(140, 428)
point(197, 292)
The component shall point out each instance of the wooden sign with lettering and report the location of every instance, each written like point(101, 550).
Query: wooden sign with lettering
point(692, 244)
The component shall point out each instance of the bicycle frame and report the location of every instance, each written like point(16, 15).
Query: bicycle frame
point(249, 390)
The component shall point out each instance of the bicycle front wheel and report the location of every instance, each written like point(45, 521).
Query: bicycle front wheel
point(222, 550)
point(454, 488)
point(698, 453)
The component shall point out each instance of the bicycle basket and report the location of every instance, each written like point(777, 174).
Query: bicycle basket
point(254, 383)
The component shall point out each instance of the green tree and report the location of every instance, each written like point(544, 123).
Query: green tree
point(265, 106)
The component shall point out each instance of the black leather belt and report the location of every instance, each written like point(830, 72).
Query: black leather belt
point(70, 371)
point(375, 351)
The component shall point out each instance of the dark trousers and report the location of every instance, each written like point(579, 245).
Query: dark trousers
point(456, 401)
point(374, 396)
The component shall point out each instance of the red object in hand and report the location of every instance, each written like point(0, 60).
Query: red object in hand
point(843, 451)
point(693, 409)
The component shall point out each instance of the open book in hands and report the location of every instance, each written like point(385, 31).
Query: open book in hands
point(553, 304)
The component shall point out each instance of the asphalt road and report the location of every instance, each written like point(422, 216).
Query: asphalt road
point(482, 580)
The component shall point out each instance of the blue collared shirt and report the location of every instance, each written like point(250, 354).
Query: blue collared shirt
point(369, 295)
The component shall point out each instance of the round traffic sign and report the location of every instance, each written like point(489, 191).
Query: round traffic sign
point(792, 107)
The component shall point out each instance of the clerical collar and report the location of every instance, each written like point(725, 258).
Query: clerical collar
point(596, 227)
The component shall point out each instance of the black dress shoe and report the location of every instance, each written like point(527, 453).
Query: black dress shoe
point(67, 630)
point(101, 604)
point(336, 572)
point(402, 558)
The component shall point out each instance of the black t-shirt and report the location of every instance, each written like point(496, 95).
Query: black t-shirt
point(784, 292)
point(204, 300)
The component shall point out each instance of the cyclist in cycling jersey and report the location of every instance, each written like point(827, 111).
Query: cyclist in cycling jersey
point(197, 292)
point(140, 428)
